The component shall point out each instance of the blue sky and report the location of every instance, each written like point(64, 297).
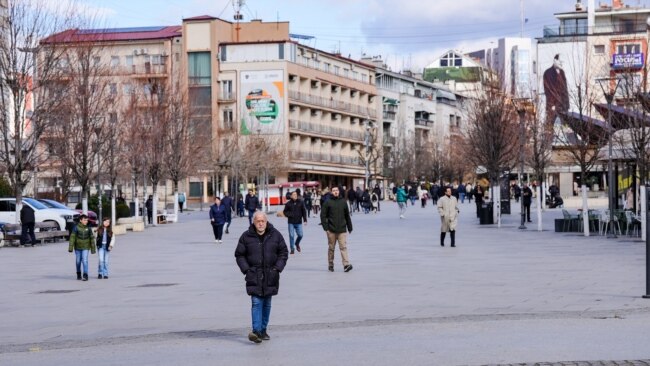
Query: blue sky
point(406, 33)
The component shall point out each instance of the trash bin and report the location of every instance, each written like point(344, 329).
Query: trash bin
point(487, 212)
point(505, 207)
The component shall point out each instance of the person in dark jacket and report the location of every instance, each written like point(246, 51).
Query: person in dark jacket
point(251, 203)
point(27, 222)
point(82, 240)
point(352, 199)
point(365, 201)
point(228, 206)
point(296, 213)
point(218, 219)
point(308, 202)
point(377, 191)
point(261, 255)
point(104, 243)
point(478, 198)
point(336, 221)
point(527, 197)
point(149, 205)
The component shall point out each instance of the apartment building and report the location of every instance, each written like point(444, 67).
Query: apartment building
point(314, 106)
point(417, 112)
point(591, 43)
point(458, 72)
point(135, 62)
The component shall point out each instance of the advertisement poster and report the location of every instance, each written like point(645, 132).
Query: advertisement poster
point(262, 102)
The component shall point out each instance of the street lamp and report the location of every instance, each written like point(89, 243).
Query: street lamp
point(609, 96)
point(366, 140)
point(520, 105)
point(98, 131)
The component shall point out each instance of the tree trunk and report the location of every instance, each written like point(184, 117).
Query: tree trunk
point(585, 211)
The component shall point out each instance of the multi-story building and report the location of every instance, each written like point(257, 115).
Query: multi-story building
point(514, 61)
point(458, 72)
point(591, 43)
point(416, 113)
point(312, 105)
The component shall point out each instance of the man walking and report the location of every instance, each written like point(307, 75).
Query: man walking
point(352, 199)
point(181, 201)
point(27, 222)
point(401, 197)
point(336, 221)
point(377, 191)
point(296, 213)
point(261, 255)
point(228, 206)
point(251, 203)
point(448, 209)
point(149, 205)
point(527, 196)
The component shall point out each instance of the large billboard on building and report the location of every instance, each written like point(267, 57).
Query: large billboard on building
point(261, 97)
point(562, 70)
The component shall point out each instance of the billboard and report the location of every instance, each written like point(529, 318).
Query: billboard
point(261, 95)
point(562, 67)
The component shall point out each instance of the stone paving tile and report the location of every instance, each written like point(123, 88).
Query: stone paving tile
point(581, 363)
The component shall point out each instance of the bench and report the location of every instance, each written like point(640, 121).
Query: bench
point(130, 223)
point(43, 231)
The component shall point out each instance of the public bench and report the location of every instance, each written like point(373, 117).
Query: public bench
point(44, 231)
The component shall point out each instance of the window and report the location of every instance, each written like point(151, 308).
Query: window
point(337, 70)
point(227, 120)
point(155, 60)
point(115, 61)
point(451, 59)
point(458, 121)
point(112, 118)
point(364, 78)
point(355, 75)
point(127, 89)
point(444, 62)
point(199, 68)
point(326, 67)
point(97, 60)
point(112, 89)
point(452, 119)
point(316, 64)
point(129, 61)
point(346, 73)
point(281, 51)
point(599, 49)
point(196, 189)
point(628, 48)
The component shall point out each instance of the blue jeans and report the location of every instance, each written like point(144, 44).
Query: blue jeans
point(260, 312)
point(81, 257)
point(104, 256)
point(462, 197)
point(250, 216)
point(293, 230)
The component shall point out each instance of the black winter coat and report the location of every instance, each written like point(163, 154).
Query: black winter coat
point(251, 203)
point(295, 211)
point(335, 216)
point(27, 215)
point(262, 259)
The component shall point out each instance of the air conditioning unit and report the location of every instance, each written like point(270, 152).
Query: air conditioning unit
point(336, 116)
point(315, 84)
point(144, 51)
point(136, 52)
point(164, 53)
point(293, 108)
point(292, 77)
point(315, 112)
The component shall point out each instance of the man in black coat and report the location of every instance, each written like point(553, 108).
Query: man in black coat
point(27, 221)
point(377, 191)
point(336, 221)
point(149, 205)
point(251, 204)
point(352, 199)
point(261, 255)
point(296, 213)
point(527, 196)
point(228, 205)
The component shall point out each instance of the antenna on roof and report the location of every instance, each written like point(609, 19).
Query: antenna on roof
point(237, 5)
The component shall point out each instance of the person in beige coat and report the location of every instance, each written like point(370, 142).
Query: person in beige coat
point(448, 209)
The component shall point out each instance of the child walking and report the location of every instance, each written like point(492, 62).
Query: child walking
point(81, 241)
point(105, 243)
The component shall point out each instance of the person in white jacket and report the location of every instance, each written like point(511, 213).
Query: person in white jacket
point(448, 209)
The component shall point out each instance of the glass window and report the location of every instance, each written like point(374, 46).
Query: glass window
point(337, 70)
point(444, 62)
point(97, 60)
point(599, 49)
point(35, 204)
point(199, 68)
point(281, 51)
point(196, 189)
point(112, 88)
point(129, 61)
point(115, 61)
point(155, 59)
point(127, 88)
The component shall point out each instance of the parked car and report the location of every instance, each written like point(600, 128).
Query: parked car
point(41, 212)
point(92, 217)
point(71, 216)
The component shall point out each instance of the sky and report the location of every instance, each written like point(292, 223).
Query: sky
point(407, 34)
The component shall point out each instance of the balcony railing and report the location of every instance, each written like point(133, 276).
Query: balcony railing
point(332, 104)
point(323, 157)
point(389, 140)
point(226, 96)
point(325, 130)
point(423, 122)
point(146, 70)
point(389, 116)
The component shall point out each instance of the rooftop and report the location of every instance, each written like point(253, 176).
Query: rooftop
point(115, 34)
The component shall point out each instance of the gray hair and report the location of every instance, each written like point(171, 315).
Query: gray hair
point(260, 213)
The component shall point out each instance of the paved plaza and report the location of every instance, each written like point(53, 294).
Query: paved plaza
point(503, 296)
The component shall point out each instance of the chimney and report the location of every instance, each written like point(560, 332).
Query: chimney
point(617, 4)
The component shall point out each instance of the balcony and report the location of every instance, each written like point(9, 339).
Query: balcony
point(332, 104)
point(389, 116)
point(321, 157)
point(226, 97)
point(389, 140)
point(421, 122)
point(141, 71)
point(321, 129)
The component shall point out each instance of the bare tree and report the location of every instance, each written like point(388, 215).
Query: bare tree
point(401, 159)
point(372, 155)
point(134, 142)
point(540, 139)
point(27, 70)
point(491, 133)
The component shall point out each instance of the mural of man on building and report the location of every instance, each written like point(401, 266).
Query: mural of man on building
point(555, 89)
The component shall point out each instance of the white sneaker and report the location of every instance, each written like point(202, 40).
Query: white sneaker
point(220, 241)
point(216, 241)
point(401, 216)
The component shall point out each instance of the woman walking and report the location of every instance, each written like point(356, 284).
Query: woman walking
point(218, 218)
point(316, 202)
point(105, 243)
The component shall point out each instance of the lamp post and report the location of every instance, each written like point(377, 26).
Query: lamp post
point(520, 105)
point(366, 142)
point(609, 97)
point(98, 131)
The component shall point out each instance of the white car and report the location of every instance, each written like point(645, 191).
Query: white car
point(71, 216)
point(41, 212)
